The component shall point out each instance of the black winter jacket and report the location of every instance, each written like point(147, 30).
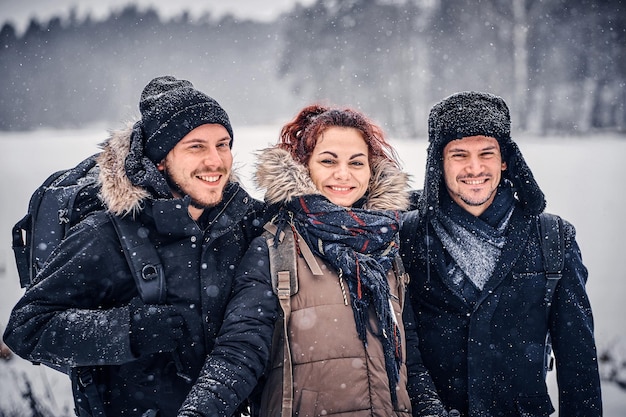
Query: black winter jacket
point(487, 359)
point(78, 314)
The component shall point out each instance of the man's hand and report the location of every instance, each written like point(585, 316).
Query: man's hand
point(154, 328)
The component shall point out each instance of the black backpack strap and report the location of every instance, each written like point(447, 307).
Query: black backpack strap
point(553, 252)
point(83, 379)
point(409, 235)
point(147, 270)
point(142, 259)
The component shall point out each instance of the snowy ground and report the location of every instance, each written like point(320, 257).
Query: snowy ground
point(580, 177)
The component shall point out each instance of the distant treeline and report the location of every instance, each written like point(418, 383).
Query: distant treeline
point(560, 64)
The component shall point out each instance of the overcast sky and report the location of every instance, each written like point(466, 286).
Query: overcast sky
point(19, 12)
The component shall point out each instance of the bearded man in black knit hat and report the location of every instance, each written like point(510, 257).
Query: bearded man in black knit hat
point(171, 172)
point(484, 294)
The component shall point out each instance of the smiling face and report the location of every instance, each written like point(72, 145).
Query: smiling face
point(199, 166)
point(472, 170)
point(339, 165)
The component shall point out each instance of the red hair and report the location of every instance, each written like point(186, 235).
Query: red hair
point(300, 136)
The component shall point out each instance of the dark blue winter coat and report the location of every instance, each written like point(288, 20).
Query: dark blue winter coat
point(78, 312)
point(487, 359)
point(484, 349)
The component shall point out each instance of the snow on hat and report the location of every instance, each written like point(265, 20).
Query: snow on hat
point(171, 108)
point(469, 113)
point(472, 113)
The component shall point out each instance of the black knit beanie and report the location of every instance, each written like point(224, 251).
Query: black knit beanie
point(171, 108)
point(472, 113)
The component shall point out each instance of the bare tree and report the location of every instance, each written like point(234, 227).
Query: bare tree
point(518, 15)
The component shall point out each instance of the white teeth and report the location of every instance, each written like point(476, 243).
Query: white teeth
point(209, 179)
point(341, 189)
point(474, 182)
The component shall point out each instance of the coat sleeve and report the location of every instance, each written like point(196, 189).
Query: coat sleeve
point(425, 401)
point(571, 329)
point(242, 348)
point(68, 318)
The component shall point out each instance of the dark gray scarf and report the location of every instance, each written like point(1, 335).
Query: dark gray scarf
point(473, 243)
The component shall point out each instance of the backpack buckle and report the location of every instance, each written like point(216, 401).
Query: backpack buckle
point(149, 272)
point(84, 377)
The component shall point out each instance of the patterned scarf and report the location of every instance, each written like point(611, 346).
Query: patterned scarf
point(361, 245)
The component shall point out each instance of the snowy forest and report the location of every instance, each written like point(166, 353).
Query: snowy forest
point(560, 64)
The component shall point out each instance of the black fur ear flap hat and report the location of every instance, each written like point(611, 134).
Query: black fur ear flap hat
point(472, 113)
point(171, 108)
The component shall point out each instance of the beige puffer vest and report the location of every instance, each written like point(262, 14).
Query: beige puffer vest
point(334, 374)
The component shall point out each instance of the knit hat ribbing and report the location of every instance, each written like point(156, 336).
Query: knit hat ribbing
point(471, 113)
point(170, 109)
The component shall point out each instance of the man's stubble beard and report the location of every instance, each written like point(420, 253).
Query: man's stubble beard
point(474, 203)
point(177, 189)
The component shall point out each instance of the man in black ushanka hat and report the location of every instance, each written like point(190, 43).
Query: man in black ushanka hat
point(483, 301)
point(171, 174)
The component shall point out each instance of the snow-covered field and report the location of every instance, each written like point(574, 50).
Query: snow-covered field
point(580, 176)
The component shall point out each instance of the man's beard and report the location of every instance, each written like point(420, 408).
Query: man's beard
point(475, 203)
point(177, 189)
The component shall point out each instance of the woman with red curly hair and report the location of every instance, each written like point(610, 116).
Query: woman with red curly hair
point(340, 348)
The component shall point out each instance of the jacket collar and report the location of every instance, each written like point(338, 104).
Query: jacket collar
point(173, 214)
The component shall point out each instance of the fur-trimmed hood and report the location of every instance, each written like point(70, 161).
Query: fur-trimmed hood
point(127, 177)
point(118, 193)
point(283, 178)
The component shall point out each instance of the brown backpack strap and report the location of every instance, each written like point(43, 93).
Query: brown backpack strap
point(283, 268)
point(402, 278)
point(284, 272)
point(282, 257)
point(284, 290)
point(308, 256)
